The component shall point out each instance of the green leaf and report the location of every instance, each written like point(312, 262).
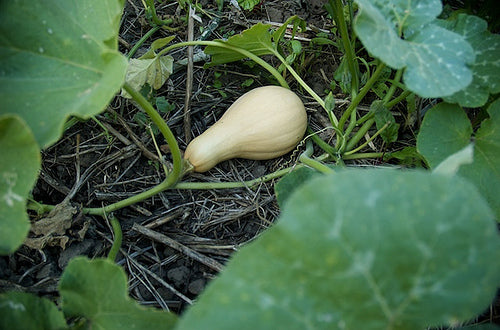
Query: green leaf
point(330, 102)
point(256, 40)
point(296, 23)
point(485, 68)
point(452, 163)
point(434, 57)
point(248, 4)
point(58, 58)
point(155, 45)
point(97, 290)
point(383, 116)
point(484, 172)
point(362, 249)
point(290, 182)
point(407, 156)
point(445, 130)
point(19, 166)
point(25, 311)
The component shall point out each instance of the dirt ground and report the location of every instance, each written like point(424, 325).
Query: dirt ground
point(101, 161)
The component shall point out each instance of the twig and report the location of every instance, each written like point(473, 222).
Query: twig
point(145, 151)
point(207, 261)
point(189, 78)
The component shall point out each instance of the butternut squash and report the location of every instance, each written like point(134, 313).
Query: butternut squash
point(264, 123)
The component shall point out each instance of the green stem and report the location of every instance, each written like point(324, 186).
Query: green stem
point(393, 87)
point(398, 99)
point(347, 45)
point(171, 179)
point(164, 129)
point(244, 52)
point(362, 93)
point(150, 7)
point(142, 40)
point(368, 141)
point(359, 134)
point(364, 155)
point(305, 158)
point(231, 185)
point(117, 241)
point(308, 89)
point(331, 151)
point(369, 115)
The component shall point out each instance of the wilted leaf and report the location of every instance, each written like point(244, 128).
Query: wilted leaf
point(51, 230)
point(152, 71)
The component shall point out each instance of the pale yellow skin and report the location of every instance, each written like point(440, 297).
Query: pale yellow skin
point(264, 123)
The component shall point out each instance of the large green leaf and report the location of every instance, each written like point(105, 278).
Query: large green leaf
point(97, 290)
point(403, 35)
point(446, 130)
point(19, 165)
point(484, 172)
point(19, 310)
point(58, 58)
point(285, 187)
point(486, 67)
point(362, 249)
point(256, 40)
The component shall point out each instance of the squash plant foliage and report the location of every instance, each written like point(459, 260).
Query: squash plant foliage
point(353, 249)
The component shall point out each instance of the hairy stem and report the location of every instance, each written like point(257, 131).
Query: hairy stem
point(173, 176)
point(362, 93)
point(141, 41)
point(306, 159)
point(338, 12)
point(244, 52)
point(359, 134)
point(118, 236)
point(368, 141)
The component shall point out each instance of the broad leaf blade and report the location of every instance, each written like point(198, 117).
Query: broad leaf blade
point(435, 58)
point(452, 163)
point(485, 68)
point(58, 58)
point(444, 131)
point(25, 311)
point(484, 172)
point(256, 40)
point(97, 290)
point(285, 187)
point(371, 249)
point(19, 166)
